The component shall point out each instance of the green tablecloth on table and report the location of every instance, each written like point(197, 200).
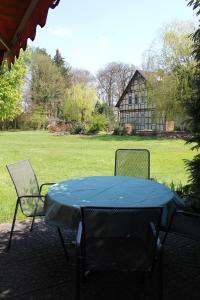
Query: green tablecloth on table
point(64, 199)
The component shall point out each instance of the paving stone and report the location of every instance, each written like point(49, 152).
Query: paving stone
point(35, 268)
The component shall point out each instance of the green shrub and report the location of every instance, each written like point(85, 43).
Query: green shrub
point(78, 128)
point(179, 188)
point(119, 130)
point(35, 120)
point(38, 120)
point(98, 123)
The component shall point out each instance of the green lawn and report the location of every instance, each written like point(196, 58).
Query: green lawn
point(55, 158)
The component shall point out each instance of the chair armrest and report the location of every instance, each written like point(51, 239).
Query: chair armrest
point(42, 185)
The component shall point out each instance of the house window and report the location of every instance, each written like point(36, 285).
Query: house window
point(127, 120)
point(130, 100)
point(142, 118)
point(136, 99)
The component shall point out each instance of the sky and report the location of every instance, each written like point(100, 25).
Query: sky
point(91, 33)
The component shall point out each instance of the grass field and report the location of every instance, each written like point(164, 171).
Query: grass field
point(55, 158)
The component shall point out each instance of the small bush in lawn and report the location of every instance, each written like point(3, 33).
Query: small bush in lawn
point(98, 123)
point(119, 130)
point(78, 128)
point(35, 120)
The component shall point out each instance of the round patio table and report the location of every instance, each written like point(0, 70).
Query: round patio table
point(64, 199)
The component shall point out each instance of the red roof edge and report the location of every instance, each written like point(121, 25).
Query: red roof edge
point(38, 17)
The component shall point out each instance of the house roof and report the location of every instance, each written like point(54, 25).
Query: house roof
point(142, 73)
point(18, 22)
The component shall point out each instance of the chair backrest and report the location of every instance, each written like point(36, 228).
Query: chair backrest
point(25, 182)
point(24, 178)
point(120, 237)
point(132, 162)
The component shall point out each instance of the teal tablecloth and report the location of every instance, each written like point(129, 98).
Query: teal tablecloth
point(64, 199)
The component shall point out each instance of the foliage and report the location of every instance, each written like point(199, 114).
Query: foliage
point(171, 64)
point(78, 128)
point(179, 188)
point(12, 83)
point(38, 119)
point(162, 89)
point(106, 110)
point(119, 130)
point(79, 103)
point(126, 129)
point(47, 85)
point(32, 120)
point(103, 108)
point(196, 35)
point(64, 67)
point(98, 122)
point(194, 177)
point(192, 106)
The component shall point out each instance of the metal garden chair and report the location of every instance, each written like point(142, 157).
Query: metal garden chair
point(29, 194)
point(118, 239)
point(132, 162)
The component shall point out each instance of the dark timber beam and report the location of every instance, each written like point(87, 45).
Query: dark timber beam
point(4, 43)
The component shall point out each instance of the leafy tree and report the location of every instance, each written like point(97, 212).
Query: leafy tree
point(103, 108)
point(64, 67)
point(192, 105)
point(41, 51)
point(196, 35)
point(170, 64)
point(12, 84)
point(47, 85)
point(79, 103)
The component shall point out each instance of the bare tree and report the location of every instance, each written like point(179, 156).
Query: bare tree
point(112, 81)
point(82, 76)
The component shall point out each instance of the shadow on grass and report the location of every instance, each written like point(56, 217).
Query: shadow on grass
point(133, 138)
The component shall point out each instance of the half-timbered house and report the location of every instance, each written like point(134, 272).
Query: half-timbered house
point(135, 109)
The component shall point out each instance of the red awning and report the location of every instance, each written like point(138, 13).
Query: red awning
point(18, 22)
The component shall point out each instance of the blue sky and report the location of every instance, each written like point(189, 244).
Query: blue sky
point(91, 33)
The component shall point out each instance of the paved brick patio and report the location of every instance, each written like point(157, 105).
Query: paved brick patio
point(36, 268)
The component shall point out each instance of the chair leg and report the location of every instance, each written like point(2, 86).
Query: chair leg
point(63, 244)
point(168, 228)
point(33, 220)
point(13, 225)
point(78, 281)
point(160, 292)
point(146, 285)
point(32, 223)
